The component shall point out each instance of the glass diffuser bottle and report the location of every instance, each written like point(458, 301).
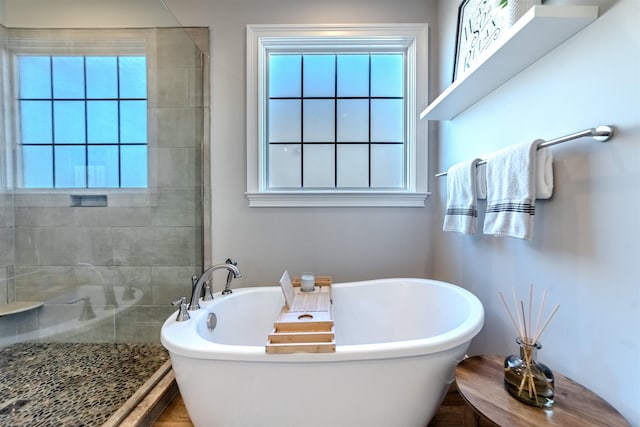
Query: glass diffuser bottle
point(526, 379)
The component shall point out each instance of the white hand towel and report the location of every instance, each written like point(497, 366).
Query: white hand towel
point(462, 213)
point(512, 175)
point(544, 181)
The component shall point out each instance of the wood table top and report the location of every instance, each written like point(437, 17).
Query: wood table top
point(480, 382)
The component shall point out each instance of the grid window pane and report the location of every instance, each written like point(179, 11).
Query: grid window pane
point(133, 122)
point(284, 166)
point(35, 76)
point(37, 166)
point(353, 99)
point(386, 120)
point(353, 120)
point(102, 122)
point(35, 122)
point(318, 120)
point(68, 77)
point(54, 110)
point(284, 120)
point(319, 75)
point(318, 166)
point(102, 166)
point(387, 162)
point(285, 75)
point(387, 75)
point(69, 122)
point(70, 167)
point(133, 162)
point(353, 75)
point(133, 76)
point(102, 77)
point(353, 166)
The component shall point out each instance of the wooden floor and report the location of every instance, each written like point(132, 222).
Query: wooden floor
point(450, 413)
point(175, 415)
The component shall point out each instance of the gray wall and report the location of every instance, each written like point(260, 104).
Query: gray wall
point(585, 248)
point(347, 243)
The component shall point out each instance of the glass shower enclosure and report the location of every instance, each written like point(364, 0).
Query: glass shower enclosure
point(103, 202)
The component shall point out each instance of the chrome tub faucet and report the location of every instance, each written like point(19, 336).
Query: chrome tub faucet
point(198, 284)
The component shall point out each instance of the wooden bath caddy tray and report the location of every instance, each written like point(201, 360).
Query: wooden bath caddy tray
point(306, 326)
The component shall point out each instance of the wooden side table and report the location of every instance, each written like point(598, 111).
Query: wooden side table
point(480, 382)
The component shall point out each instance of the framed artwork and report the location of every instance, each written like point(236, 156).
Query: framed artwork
point(480, 23)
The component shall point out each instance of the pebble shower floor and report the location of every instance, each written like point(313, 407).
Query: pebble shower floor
point(71, 384)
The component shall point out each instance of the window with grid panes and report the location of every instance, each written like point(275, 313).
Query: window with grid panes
point(336, 119)
point(83, 121)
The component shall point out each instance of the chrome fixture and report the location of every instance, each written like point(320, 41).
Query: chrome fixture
point(600, 134)
point(212, 321)
point(227, 287)
point(204, 278)
point(208, 293)
point(183, 313)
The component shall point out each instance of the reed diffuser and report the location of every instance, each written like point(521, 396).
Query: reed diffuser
point(525, 378)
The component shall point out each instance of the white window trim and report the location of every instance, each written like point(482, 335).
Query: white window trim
point(414, 37)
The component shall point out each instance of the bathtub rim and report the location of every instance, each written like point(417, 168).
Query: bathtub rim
point(182, 338)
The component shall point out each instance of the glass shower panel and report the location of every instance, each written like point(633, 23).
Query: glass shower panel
point(7, 218)
point(125, 253)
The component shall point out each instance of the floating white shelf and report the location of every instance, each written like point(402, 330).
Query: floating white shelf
point(537, 33)
point(19, 307)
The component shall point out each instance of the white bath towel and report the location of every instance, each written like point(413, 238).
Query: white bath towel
point(512, 183)
point(462, 212)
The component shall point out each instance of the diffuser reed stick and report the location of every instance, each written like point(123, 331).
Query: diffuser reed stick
point(527, 374)
point(523, 327)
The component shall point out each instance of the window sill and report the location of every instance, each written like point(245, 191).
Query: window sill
point(334, 199)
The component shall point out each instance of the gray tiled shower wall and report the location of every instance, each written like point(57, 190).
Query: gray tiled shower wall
point(146, 239)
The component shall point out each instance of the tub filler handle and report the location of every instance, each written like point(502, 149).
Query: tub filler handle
point(230, 276)
point(183, 313)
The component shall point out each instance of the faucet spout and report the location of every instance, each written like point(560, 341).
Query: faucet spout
point(205, 277)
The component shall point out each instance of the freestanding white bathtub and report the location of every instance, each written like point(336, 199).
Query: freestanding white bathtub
point(397, 344)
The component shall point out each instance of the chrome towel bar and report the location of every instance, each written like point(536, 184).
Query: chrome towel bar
point(600, 134)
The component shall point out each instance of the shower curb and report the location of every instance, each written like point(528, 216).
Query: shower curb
point(146, 404)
